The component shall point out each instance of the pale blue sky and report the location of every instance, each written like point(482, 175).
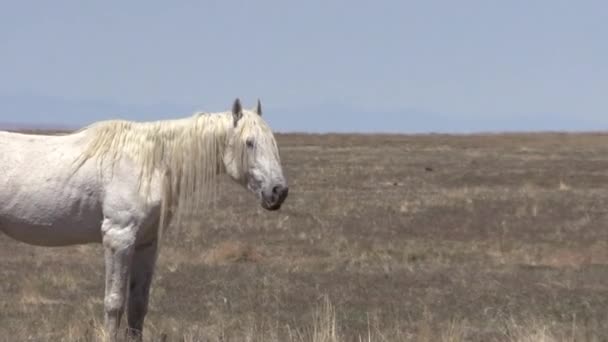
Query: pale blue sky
point(395, 66)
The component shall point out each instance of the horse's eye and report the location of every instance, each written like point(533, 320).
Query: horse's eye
point(249, 143)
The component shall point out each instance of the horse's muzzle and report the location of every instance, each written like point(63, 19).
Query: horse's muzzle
point(278, 196)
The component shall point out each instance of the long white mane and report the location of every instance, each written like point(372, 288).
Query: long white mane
point(187, 153)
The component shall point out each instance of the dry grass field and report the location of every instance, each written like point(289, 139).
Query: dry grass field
point(382, 238)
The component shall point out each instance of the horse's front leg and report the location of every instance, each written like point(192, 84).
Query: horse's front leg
point(118, 242)
point(142, 271)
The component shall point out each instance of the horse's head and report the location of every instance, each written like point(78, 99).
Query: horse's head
point(251, 156)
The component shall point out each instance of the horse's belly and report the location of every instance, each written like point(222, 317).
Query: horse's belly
point(42, 200)
point(52, 213)
point(52, 236)
point(53, 221)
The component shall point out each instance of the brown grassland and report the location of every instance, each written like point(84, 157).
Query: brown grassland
point(497, 237)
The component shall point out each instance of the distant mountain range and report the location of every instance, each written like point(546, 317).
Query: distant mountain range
point(40, 112)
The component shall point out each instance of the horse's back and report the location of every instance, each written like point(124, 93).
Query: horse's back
point(31, 160)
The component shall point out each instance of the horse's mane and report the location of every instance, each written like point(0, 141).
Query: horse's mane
point(188, 152)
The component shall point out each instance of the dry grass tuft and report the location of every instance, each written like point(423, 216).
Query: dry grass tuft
point(231, 252)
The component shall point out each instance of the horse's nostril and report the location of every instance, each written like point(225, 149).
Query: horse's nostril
point(273, 201)
point(279, 191)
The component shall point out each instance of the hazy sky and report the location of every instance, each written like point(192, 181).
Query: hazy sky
point(398, 66)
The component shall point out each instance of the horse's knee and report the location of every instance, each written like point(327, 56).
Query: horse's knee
point(117, 237)
point(113, 303)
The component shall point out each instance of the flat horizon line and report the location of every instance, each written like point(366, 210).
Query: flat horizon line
point(17, 127)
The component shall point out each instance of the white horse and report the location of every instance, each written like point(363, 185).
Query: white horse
point(119, 183)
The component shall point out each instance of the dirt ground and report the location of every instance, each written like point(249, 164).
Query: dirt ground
point(389, 237)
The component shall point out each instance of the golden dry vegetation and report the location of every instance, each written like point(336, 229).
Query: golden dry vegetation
point(382, 238)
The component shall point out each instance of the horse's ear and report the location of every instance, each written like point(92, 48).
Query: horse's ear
point(258, 108)
point(237, 111)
